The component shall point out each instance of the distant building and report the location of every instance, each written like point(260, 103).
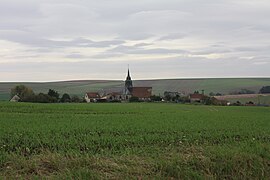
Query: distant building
point(114, 96)
point(196, 97)
point(91, 97)
point(143, 93)
point(15, 98)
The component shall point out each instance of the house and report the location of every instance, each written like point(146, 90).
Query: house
point(114, 96)
point(15, 98)
point(91, 97)
point(196, 97)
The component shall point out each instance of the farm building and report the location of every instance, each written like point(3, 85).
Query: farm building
point(15, 98)
point(92, 97)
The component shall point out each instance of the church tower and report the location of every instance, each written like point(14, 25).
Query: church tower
point(128, 84)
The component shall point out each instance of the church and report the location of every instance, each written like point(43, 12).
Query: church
point(128, 91)
point(143, 93)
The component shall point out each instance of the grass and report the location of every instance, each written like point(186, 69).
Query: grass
point(159, 86)
point(133, 141)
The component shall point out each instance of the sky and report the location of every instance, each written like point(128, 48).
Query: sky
point(52, 40)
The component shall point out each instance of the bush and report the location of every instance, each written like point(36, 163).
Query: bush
point(134, 99)
point(65, 98)
point(76, 99)
point(155, 98)
point(43, 98)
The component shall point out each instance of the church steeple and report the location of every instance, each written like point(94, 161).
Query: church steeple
point(128, 83)
point(128, 76)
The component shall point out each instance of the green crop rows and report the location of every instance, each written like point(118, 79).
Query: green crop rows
point(144, 140)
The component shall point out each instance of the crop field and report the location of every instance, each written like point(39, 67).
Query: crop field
point(133, 141)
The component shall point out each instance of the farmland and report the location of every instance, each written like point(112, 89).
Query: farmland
point(222, 85)
point(140, 140)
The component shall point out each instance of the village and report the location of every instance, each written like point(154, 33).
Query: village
point(131, 93)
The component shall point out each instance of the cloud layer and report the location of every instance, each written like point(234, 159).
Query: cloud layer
point(87, 39)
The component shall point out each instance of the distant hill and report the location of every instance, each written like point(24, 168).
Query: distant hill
point(224, 85)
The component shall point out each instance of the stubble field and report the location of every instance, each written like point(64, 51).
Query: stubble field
point(140, 140)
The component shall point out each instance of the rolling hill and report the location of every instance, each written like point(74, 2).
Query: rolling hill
point(223, 85)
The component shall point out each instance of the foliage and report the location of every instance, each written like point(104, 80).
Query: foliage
point(65, 98)
point(22, 91)
point(133, 99)
point(265, 90)
point(155, 98)
point(168, 97)
point(242, 91)
point(44, 98)
point(76, 99)
point(215, 94)
point(53, 93)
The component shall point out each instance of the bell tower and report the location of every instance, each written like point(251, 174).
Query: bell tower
point(128, 84)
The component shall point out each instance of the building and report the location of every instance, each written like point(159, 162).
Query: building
point(196, 97)
point(143, 93)
point(114, 96)
point(91, 97)
point(15, 98)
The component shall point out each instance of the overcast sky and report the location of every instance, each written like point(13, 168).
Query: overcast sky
point(50, 40)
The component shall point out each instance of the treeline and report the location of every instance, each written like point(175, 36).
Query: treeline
point(26, 94)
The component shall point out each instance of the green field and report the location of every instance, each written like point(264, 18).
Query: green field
point(133, 141)
point(224, 86)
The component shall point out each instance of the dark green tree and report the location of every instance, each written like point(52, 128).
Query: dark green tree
point(76, 99)
point(65, 98)
point(265, 90)
point(53, 93)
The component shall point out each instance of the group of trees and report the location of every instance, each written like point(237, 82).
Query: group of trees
point(265, 90)
point(26, 94)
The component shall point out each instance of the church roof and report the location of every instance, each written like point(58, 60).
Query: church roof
point(142, 92)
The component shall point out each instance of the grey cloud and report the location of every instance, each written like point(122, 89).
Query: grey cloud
point(138, 50)
point(71, 29)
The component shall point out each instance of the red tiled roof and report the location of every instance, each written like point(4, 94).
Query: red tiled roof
point(142, 92)
point(93, 95)
point(197, 96)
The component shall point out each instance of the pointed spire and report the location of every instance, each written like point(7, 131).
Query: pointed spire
point(128, 73)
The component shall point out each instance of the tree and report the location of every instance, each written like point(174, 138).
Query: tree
point(22, 91)
point(65, 98)
point(76, 99)
point(168, 97)
point(44, 98)
point(53, 93)
point(155, 98)
point(212, 94)
point(265, 90)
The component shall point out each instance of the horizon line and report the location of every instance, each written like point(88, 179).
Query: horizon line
point(147, 79)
